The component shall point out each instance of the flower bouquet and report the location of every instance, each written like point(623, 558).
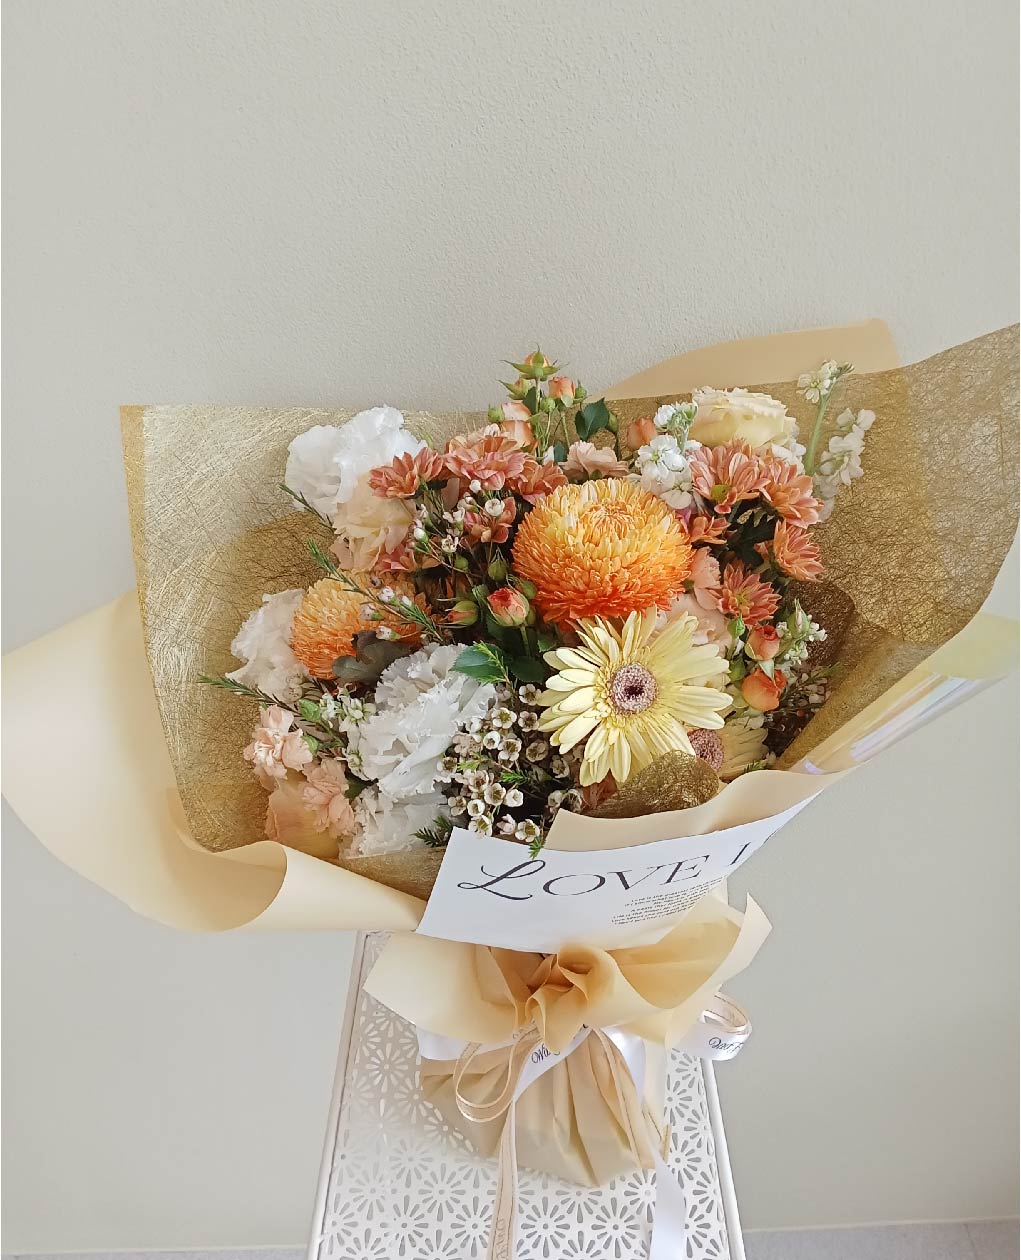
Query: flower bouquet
point(523, 687)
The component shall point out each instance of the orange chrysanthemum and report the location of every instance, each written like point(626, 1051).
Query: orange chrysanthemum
point(742, 594)
point(330, 616)
point(725, 475)
point(486, 457)
point(790, 493)
point(601, 549)
point(794, 552)
point(402, 478)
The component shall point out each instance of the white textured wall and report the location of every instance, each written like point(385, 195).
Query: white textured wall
point(273, 202)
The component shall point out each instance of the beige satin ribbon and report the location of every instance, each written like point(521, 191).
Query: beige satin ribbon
point(501, 1103)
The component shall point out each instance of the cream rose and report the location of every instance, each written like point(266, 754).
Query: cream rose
point(729, 415)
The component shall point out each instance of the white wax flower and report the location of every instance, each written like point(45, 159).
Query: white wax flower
point(264, 644)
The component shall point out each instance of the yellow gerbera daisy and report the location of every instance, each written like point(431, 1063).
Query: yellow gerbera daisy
point(632, 692)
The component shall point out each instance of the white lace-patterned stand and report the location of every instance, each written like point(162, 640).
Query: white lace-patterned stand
point(397, 1183)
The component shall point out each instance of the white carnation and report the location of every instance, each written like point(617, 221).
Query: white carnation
point(420, 706)
point(264, 644)
point(329, 463)
point(388, 826)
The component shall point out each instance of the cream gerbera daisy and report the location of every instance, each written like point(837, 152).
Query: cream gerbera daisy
point(632, 692)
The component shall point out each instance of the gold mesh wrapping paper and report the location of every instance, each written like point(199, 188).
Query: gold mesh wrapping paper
point(911, 552)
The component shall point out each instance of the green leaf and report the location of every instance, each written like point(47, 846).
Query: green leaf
point(559, 452)
point(313, 743)
point(355, 787)
point(527, 669)
point(547, 642)
point(371, 657)
point(591, 418)
point(309, 710)
point(482, 661)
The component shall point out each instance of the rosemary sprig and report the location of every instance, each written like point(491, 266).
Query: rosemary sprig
point(325, 734)
point(438, 835)
point(407, 612)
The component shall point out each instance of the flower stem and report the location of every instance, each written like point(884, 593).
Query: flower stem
point(813, 441)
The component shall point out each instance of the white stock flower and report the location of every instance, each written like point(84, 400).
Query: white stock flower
point(662, 469)
point(814, 386)
point(264, 644)
point(329, 465)
point(384, 825)
point(841, 462)
point(420, 705)
point(664, 415)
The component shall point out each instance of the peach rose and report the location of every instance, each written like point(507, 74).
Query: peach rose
point(763, 643)
point(519, 431)
point(584, 458)
point(640, 432)
point(562, 389)
point(515, 410)
point(761, 691)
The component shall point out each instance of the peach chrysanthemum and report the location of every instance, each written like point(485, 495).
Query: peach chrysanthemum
point(330, 616)
point(794, 552)
point(725, 475)
point(402, 478)
point(708, 530)
point(601, 549)
point(790, 493)
point(536, 480)
point(488, 458)
point(742, 594)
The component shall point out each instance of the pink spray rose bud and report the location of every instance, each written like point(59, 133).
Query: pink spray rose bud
point(464, 613)
point(562, 389)
point(761, 691)
point(509, 607)
point(640, 432)
point(763, 643)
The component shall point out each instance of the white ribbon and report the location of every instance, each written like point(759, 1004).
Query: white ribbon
point(720, 1033)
